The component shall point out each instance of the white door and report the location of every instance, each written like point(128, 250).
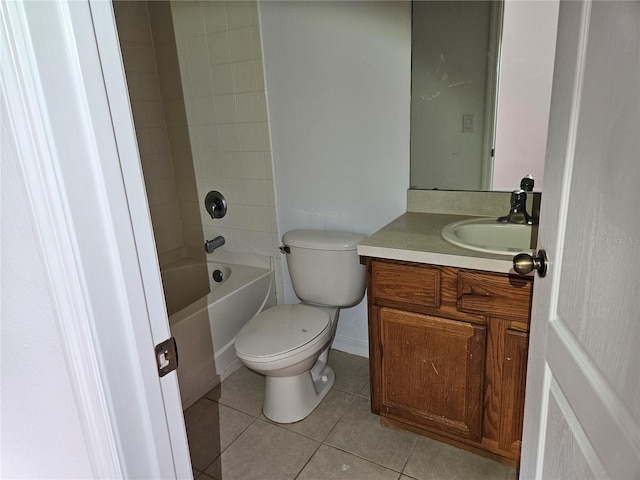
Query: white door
point(582, 409)
point(169, 415)
point(63, 80)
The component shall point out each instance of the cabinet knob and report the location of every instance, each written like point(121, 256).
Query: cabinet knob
point(523, 263)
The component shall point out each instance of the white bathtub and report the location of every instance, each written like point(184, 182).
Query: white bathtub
point(205, 316)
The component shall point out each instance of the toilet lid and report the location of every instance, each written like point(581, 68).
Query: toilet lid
point(281, 329)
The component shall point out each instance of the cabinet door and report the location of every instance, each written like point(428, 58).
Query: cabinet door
point(432, 372)
point(512, 395)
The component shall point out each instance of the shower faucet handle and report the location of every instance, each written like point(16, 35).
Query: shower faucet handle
point(216, 204)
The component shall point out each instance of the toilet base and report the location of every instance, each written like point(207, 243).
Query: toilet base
point(291, 399)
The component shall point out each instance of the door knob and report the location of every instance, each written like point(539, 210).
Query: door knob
point(523, 263)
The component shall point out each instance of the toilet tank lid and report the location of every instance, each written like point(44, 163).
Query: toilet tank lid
point(323, 239)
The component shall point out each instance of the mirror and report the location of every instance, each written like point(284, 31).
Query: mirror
point(454, 77)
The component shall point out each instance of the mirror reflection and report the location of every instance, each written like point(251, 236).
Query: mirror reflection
point(455, 59)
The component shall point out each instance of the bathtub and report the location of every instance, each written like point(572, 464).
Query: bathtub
point(206, 315)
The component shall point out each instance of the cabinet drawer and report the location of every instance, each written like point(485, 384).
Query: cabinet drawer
point(406, 283)
point(507, 297)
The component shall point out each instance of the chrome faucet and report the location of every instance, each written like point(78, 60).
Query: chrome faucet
point(518, 211)
point(211, 245)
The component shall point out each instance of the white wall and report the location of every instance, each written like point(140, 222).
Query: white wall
point(148, 99)
point(338, 92)
point(524, 95)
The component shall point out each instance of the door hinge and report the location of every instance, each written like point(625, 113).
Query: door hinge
point(167, 356)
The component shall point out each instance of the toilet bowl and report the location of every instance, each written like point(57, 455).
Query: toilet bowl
point(289, 344)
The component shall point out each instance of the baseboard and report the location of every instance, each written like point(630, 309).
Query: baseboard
point(351, 345)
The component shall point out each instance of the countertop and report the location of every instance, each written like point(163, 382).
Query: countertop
point(416, 237)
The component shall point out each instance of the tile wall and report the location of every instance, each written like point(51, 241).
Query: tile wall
point(137, 48)
point(196, 81)
point(220, 58)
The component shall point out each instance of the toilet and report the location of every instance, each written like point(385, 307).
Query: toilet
point(289, 344)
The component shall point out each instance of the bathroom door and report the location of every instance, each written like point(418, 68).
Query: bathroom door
point(69, 118)
point(582, 417)
point(165, 406)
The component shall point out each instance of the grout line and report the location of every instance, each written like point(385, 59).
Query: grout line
point(339, 420)
point(353, 396)
point(308, 460)
point(400, 472)
point(413, 449)
point(235, 438)
point(363, 458)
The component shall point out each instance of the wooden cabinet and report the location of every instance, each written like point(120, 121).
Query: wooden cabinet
point(448, 353)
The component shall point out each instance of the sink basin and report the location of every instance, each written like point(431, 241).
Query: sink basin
point(488, 235)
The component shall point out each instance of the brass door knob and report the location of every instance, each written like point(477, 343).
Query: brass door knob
point(523, 263)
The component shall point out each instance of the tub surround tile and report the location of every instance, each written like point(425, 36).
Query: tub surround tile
point(238, 14)
point(359, 432)
point(332, 464)
point(215, 18)
point(221, 63)
point(264, 451)
point(149, 115)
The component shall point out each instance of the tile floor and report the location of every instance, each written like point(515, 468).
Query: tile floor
point(230, 439)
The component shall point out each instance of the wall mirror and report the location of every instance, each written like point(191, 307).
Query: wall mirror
point(454, 81)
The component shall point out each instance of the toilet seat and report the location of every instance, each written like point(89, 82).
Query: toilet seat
point(281, 332)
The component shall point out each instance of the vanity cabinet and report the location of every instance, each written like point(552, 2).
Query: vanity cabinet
point(448, 353)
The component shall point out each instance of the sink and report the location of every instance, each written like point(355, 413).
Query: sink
point(488, 235)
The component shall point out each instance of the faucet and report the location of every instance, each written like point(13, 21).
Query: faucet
point(518, 211)
point(211, 245)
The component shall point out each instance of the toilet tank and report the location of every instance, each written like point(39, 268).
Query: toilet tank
point(324, 266)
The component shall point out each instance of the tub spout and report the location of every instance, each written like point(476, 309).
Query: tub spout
point(211, 245)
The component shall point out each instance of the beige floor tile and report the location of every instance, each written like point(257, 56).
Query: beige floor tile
point(242, 390)
point(512, 474)
point(355, 444)
point(264, 452)
point(352, 371)
point(211, 428)
point(432, 460)
point(366, 390)
point(322, 420)
point(359, 432)
point(329, 463)
point(202, 476)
